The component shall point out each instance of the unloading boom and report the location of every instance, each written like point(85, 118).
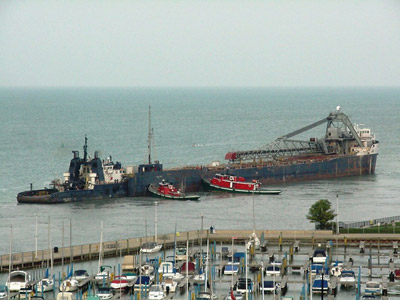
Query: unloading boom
point(340, 136)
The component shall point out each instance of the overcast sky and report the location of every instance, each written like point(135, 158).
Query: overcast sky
point(200, 43)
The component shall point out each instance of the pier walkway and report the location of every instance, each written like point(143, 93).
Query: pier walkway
point(287, 238)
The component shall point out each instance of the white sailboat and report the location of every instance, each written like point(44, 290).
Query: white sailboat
point(152, 247)
point(47, 283)
point(103, 272)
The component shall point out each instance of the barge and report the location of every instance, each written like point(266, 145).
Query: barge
point(345, 150)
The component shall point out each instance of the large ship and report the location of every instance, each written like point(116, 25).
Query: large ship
point(345, 150)
point(87, 178)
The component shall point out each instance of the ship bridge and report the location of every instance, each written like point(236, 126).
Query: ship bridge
point(340, 135)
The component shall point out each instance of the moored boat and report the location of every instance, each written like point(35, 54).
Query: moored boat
point(169, 191)
point(17, 280)
point(236, 184)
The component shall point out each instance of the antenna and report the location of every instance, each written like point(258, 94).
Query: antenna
point(85, 150)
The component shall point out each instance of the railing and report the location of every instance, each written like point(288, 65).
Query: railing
point(372, 222)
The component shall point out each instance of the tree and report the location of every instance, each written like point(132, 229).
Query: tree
point(321, 214)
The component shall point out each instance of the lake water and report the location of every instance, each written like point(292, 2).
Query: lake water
point(40, 127)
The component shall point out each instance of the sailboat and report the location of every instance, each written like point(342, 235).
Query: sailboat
point(253, 239)
point(47, 283)
point(152, 247)
point(103, 271)
point(207, 295)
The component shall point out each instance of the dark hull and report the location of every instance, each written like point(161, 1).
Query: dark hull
point(104, 191)
point(191, 178)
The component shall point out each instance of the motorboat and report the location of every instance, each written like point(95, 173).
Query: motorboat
point(231, 268)
point(180, 254)
point(142, 283)
point(130, 276)
point(80, 275)
point(317, 269)
point(373, 288)
point(336, 268)
point(104, 274)
point(146, 269)
point(319, 256)
point(397, 274)
point(199, 279)
point(3, 291)
point(269, 286)
point(347, 278)
point(240, 285)
point(45, 285)
point(206, 296)
point(253, 241)
point(150, 247)
point(166, 268)
point(156, 292)
point(169, 191)
point(104, 293)
point(236, 184)
point(17, 280)
point(119, 282)
point(273, 270)
point(25, 293)
point(233, 295)
point(69, 285)
point(320, 285)
point(169, 285)
point(190, 266)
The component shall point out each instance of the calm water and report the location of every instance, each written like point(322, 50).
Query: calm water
point(40, 127)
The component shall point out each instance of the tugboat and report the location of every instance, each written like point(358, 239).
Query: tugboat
point(236, 184)
point(169, 191)
point(87, 178)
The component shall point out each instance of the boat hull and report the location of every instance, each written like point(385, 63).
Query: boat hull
point(322, 168)
point(208, 185)
point(103, 191)
point(153, 191)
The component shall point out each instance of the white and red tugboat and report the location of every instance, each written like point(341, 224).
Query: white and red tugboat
point(237, 184)
point(169, 191)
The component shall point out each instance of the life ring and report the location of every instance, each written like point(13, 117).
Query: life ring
point(231, 178)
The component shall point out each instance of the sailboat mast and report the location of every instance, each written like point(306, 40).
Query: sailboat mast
point(36, 236)
point(51, 251)
point(101, 246)
point(155, 223)
point(10, 263)
point(149, 138)
point(48, 242)
point(254, 222)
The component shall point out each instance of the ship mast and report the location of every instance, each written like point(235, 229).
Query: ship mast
point(85, 150)
point(149, 138)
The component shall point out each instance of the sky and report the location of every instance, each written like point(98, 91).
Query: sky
point(204, 43)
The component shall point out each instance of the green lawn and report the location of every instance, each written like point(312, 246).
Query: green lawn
point(386, 228)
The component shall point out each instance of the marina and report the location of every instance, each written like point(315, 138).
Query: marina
point(289, 254)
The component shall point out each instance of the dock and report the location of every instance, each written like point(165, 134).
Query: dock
point(287, 241)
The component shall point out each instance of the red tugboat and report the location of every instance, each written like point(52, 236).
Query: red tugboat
point(237, 184)
point(169, 191)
